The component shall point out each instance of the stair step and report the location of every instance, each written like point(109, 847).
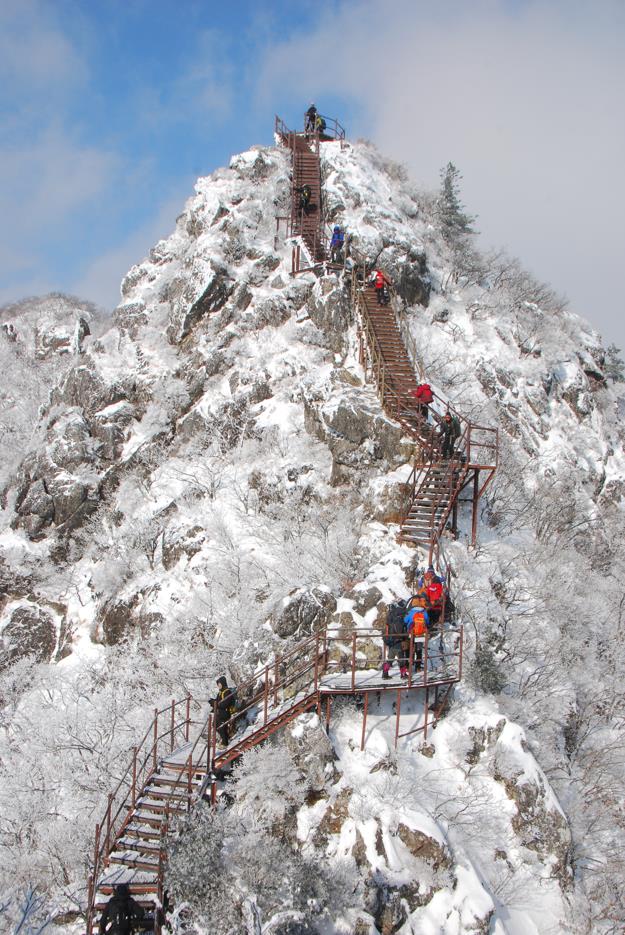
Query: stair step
point(133, 860)
point(142, 846)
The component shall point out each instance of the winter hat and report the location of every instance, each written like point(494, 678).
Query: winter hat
point(221, 681)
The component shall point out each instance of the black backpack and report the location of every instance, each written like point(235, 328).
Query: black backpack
point(119, 920)
point(396, 628)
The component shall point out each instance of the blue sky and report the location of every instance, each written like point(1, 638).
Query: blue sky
point(110, 110)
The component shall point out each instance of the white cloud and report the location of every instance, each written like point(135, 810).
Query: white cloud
point(34, 53)
point(525, 98)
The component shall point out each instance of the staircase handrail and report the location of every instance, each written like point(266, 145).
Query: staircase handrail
point(333, 129)
point(143, 765)
point(306, 680)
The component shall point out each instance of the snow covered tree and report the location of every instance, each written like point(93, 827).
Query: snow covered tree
point(614, 364)
point(456, 224)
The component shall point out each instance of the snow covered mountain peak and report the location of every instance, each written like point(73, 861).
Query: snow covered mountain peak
point(215, 479)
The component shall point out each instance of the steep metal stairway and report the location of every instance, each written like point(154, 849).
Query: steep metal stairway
point(306, 170)
point(179, 759)
point(391, 366)
point(430, 505)
point(435, 483)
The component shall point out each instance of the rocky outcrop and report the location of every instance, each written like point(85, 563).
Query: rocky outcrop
point(330, 309)
point(187, 308)
point(303, 612)
point(311, 750)
point(184, 542)
point(117, 620)
point(358, 435)
point(29, 631)
point(539, 822)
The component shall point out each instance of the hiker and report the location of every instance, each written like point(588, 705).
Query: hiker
point(224, 706)
point(336, 245)
point(417, 621)
point(310, 118)
point(420, 594)
point(450, 431)
point(396, 640)
point(424, 397)
point(380, 282)
point(122, 914)
point(320, 125)
point(305, 194)
point(435, 599)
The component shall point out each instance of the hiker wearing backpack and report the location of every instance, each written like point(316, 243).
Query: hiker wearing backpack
point(122, 915)
point(396, 640)
point(424, 397)
point(417, 621)
point(380, 283)
point(224, 705)
point(450, 431)
point(310, 118)
point(320, 125)
point(305, 194)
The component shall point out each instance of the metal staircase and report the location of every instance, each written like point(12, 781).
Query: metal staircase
point(308, 225)
point(435, 483)
point(179, 759)
point(178, 762)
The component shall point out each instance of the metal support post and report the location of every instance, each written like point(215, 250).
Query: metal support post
point(155, 740)
point(397, 715)
point(133, 798)
point(476, 498)
point(364, 721)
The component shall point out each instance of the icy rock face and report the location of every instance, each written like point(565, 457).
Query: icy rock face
point(303, 613)
point(539, 822)
point(311, 750)
point(403, 862)
point(49, 326)
point(29, 631)
point(40, 339)
point(351, 423)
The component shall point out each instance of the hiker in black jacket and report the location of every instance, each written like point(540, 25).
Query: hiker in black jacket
point(224, 706)
point(396, 640)
point(450, 431)
point(122, 915)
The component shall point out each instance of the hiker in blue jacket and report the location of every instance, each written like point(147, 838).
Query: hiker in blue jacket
point(336, 245)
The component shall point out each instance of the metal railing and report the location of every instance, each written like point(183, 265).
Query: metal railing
point(169, 727)
point(327, 662)
point(332, 130)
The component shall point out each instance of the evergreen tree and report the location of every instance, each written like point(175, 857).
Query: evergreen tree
point(455, 222)
point(614, 364)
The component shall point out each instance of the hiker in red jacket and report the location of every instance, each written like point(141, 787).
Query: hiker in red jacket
point(424, 397)
point(380, 282)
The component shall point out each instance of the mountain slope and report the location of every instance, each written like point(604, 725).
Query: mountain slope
point(215, 464)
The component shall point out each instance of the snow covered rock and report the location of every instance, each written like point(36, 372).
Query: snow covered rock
point(311, 750)
point(30, 630)
point(303, 613)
